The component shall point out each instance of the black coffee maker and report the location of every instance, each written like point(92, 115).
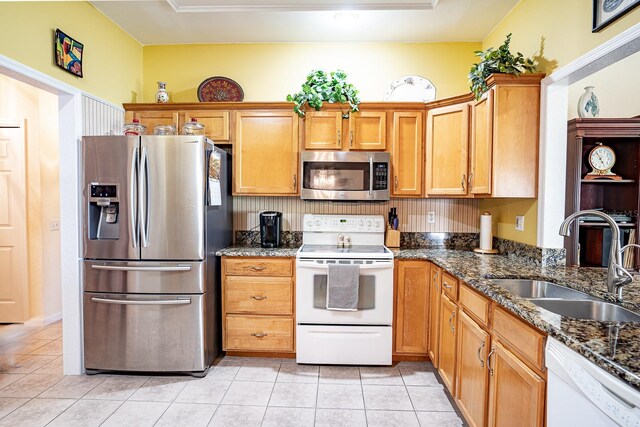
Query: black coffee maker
point(270, 226)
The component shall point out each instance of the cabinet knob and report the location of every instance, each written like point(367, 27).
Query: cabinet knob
point(395, 179)
point(446, 285)
point(469, 179)
point(339, 140)
point(258, 297)
point(464, 180)
point(480, 357)
point(453, 329)
point(493, 350)
point(295, 182)
point(259, 334)
point(350, 138)
point(255, 267)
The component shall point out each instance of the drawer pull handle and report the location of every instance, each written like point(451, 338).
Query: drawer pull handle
point(479, 357)
point(255, 267)
point(446, 285)
point(259, 334)
point(493, 350)
point(453, 330)
point(258, 298)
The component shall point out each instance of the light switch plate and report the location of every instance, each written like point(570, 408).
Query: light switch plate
point(519, 222)
point(54, 225)
point(431, 218)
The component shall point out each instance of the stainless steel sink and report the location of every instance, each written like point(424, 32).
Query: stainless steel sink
point(540, 289)
point(585, 309)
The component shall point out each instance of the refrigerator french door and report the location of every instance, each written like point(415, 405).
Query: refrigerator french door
point(149, 291)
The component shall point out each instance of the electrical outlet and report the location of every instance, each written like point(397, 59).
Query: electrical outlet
point(431, 217)
point(519, 222)
point(54, 225)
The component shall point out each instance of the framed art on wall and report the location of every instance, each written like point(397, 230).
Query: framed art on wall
point(607, 11)
point(68, 53)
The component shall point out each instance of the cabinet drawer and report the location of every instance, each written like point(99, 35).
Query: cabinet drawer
point(523, 339)
point(259, 333)
point(474, 304)
point(259, 295)
point(258, 267)
point(450, 286)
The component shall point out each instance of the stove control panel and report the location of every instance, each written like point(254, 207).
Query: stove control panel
point(346, 223)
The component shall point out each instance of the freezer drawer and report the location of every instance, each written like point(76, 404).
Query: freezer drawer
point(155, 333)
point(144, 277)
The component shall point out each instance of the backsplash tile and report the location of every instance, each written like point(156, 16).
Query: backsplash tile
point(534, 254)
point(451, 215)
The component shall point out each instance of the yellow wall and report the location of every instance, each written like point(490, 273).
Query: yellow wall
point(565, 29)
point(112, 60)
point(270, 71)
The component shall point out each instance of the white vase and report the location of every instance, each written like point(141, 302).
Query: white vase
point(162, 96)
point(588, 106)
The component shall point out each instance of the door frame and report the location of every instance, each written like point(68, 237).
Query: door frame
point(69, 136)
point(553, 129)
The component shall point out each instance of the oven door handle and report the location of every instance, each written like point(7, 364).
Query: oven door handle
point(362, 266)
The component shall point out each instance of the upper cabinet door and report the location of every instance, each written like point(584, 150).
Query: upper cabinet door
point(266, 153)
point(323, 130)
point(447, 151)
point(151, 119)
point(368, 130)
point(406, 153)
point(216, 123)
point(481, 144)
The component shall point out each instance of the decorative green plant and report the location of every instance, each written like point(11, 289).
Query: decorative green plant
point(321, 87)
point(497, 61)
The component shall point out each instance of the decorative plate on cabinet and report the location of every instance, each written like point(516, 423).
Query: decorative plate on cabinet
point(411, 89)
point(220, 89)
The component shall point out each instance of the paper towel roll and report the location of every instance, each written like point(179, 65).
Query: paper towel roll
point(486, 235)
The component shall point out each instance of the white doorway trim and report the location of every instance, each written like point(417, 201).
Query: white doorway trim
point(553, 129)
point(70, 133)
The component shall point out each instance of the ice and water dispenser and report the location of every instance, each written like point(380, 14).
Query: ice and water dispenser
point(103, 212)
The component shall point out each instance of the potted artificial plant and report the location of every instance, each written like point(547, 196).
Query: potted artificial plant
point(320, 87)
point(493, 61)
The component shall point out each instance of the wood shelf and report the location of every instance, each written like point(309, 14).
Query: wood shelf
point(607, 181)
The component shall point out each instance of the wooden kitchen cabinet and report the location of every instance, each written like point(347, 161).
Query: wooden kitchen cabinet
point(446, 149)
point(216, 123)
point(407, 153)
point(265, 157)
point(434, 313)
point(447, 345)
point(472, 377)
point(152, 118)
point(258, 305)
point(323, 130)
point(516, 394)
point(412, 307)
point(368, 130)
point(505, 137)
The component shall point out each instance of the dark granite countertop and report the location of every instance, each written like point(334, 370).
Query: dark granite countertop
point(614, 346)
point(258, 251)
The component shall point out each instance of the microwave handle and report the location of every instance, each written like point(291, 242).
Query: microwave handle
point(370, 175)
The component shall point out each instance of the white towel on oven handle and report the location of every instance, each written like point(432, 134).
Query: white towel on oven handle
point(343, 283)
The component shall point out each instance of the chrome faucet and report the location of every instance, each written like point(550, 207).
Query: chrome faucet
point(617, 276)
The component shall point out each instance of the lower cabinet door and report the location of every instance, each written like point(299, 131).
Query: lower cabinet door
point(144, 332)
point(447, 347)
point(434, 314)
point(259, 333)
point(412, 308)
point(516, 397)
point(473, 380)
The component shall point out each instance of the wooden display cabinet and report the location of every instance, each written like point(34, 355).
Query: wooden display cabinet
point(587, 244)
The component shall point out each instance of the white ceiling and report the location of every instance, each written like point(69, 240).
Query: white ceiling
point(154, 22)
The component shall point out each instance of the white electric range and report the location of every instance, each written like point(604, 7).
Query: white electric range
point(362, 337)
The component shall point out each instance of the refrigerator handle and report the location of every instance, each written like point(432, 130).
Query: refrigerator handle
point(144, 198)
point(179, 301)
point(133, 196)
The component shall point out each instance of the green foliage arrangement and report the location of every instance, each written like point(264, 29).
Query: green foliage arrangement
point(497, 61)
point(321, 87)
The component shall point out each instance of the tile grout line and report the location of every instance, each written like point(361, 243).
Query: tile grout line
point(364, 401)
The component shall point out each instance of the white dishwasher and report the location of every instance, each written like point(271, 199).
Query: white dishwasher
point(582, 394)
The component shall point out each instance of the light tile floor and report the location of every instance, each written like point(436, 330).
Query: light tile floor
point(236, 392)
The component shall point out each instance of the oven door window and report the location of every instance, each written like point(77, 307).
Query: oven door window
point(343, 176)
point(366, 292)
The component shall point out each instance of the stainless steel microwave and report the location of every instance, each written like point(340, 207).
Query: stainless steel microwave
point(345, 175)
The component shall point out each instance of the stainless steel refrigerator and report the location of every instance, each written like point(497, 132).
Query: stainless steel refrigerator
point(155, 210)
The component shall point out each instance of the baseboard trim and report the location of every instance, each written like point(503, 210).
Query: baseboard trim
point(52, 319)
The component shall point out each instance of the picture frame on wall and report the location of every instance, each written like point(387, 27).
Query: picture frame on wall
point(607, 11)
point(68, 53)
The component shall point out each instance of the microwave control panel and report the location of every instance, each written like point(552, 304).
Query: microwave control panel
point(380, 176)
